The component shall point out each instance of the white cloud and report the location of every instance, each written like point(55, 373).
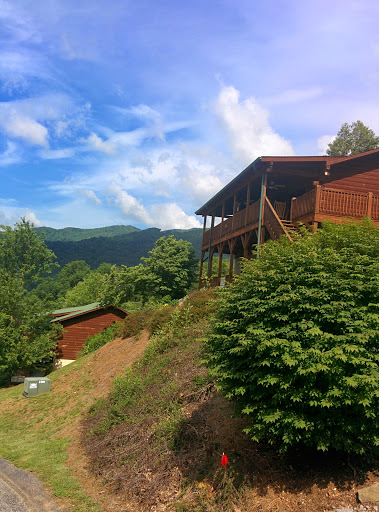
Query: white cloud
point(9, 215)
point(25, 128)
point(93, 141)
point(57, 154)
point(171, 216)
point(29, 119)
point(323, 143)
point(11, 155)
point(129, 205)
point(163, 215)
point(291, 96)
point(247, 128)
point(32, 217)
point(90, 194)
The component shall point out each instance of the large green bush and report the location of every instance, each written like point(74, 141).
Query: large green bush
point(295, 341)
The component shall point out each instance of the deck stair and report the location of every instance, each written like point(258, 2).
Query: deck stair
point(290, 227)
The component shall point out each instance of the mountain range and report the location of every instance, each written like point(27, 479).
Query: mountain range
point(118, 245)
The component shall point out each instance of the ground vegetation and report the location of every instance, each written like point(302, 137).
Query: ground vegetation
point(295, 340)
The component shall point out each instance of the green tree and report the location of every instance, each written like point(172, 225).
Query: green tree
point(24, 261)
point(123, 285)
point(170, 268)
point(25, 333)
point(90, 289)
point(71, 274)
point(352, 139)
point(295, 340)
point(168, 272)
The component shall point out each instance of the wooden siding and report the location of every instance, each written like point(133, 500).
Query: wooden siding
point(77, 330)
point(361, 182)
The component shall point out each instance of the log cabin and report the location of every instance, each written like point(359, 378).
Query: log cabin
point(80, 322)
point(273, 195)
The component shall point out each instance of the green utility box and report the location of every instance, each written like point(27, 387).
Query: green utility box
point(34, 386)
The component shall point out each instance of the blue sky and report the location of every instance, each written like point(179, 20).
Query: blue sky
point(136, 112)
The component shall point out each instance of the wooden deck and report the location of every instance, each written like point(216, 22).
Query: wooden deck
point(320, 204)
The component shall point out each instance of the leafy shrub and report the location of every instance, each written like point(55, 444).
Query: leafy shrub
point(134, 323)
point(98, 340)
point(202, 303)
point(295, 340)
point(159, 317)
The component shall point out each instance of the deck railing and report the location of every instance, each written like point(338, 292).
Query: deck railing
point(273, 222)
point(341, 202)
point(303, 205)
point(241, 219)
point(322, 200)
point(333, 201)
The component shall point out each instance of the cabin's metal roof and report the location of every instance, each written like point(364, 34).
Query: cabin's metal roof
point(78, 311)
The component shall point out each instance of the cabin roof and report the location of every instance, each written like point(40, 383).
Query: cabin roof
point(65, 314)
point(301, 166)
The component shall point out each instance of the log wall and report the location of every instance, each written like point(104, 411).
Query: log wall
point(77, 330)
point(367, 181)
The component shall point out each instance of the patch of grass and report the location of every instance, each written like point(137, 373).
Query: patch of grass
point(31, 436)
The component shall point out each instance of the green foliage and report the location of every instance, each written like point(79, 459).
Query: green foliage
point(134, 323)
point(124, 249)
point(165, 275)
point(98, 340)
point(170, 268)
point(352, 139)
point(71, 274)
point(25, 333)
point(159, 318)
point(77, 234)
point(215, 263)
point(90, 289)
point(24, 260)
point(295, 340)
point(22, 346)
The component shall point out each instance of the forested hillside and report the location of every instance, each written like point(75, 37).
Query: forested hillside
point(109, 246)
point(77, 234)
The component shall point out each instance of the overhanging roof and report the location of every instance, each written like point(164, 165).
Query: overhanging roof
point(305, 166)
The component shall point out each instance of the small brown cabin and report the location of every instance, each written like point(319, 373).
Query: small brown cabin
point(79, 323)
point(273, 195)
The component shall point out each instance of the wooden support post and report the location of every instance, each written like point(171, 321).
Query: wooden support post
point(369, 205)
point(210, 263)
point(210, 247)
point(222, 217)
point(231, 243)
point(318, 198)
point(234, 209)
point(245, 239)
point(247, 202)
point(220, 248)
point(293, 199)
point(261, 208)
point(201, 269)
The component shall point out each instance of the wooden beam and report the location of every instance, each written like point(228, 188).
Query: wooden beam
point(245, 239)
point(231, 243)
point(234, 209)
point(220, 248)
point(369, 205)
point(247, 202)
point(261, 207)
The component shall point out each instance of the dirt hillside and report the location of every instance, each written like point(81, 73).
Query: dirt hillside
point(109, 361)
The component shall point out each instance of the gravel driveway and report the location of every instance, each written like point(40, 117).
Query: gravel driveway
point(21, 491)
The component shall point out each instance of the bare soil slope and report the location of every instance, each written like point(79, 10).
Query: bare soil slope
point(109, 361)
